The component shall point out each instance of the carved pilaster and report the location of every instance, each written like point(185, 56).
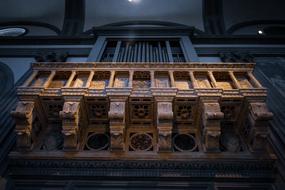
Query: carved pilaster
point(172, 81)
point(30, 79)
point(213, 80)
point(211, 118)
point(254, 80)
point(117, 123)
point(70, 123)
point(23, 116)
point(164, 123)
point(193, 80)
point(258, 120)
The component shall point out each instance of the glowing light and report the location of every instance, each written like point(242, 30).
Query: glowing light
point(134, 1)
point(260, 32)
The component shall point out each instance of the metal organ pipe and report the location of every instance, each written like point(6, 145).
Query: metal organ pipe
point(143, 51)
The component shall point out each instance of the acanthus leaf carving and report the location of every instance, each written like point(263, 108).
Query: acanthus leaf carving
point(23, 116)
point(164, 125)
point(211, 118)
point(117, 125)
point(70, 124)
point(259, 117)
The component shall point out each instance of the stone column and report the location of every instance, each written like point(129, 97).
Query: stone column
point(112, 78)
point(131, 76)
point(48, 81)
point(30, 79)
point(73, 74)
point(172, 81)
point(89, 80)
point(193, 80)
point(253, 79)
point(152, 78)
point(234, 79)
point(213, 80)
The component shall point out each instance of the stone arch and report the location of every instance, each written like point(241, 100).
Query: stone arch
point(6, 79)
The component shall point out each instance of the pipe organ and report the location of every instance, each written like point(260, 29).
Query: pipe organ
point(155, 108)
point(143, 51)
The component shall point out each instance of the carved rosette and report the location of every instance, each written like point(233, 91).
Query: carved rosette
point(211, 118)
point(70, 124)
point(23, 116)
point(164, 126)
point(117, 125)
point(259, 116)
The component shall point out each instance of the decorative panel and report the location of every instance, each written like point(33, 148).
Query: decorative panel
point(100, 80)
point(223, 81)
point(111, 107)
point(40, 79)
point(203, 80)
point(121, 80)
point(59, 80)
point(162, 80)
point(182, 80)
point(141, 80)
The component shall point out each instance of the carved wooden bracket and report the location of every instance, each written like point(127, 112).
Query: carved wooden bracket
point(70, 124)
point(117, 124)
point(211, 118)
point(259, 117)
point(164, 125)
point(23, 116)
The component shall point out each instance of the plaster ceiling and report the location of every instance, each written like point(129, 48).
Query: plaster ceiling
point(47, 11)
point(237, 11)
point(101, 12)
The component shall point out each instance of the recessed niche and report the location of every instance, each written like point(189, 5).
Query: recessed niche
point(203, 80)
point(162, 80)
point(80, 80)
point(100, 80)
point(223, 80)
point(40, 79)
point(97, 141)
point(185, 142)
point(243, 80)
point(59, 80)
point(141, 80)
point(121, 80)
point(182, 80)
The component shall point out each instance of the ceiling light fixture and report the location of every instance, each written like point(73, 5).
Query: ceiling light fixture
point(13, 31)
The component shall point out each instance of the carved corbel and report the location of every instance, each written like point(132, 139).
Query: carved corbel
point(70, 124)
point(259, 116)
point(164, 126)
point(211, 118)
point(23, 116)
point(117, 125)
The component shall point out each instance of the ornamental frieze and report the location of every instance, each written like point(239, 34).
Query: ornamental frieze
point(152, 108)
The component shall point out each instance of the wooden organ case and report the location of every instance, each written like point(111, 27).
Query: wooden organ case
point(147, 112)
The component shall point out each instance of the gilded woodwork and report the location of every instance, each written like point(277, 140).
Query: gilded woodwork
point(117, 124)
point(185, 107)
point(211, 119)
point(164, 124)
point(258, 125)
point(23, 116)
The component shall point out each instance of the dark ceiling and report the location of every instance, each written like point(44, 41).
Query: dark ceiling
point(73, 17)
